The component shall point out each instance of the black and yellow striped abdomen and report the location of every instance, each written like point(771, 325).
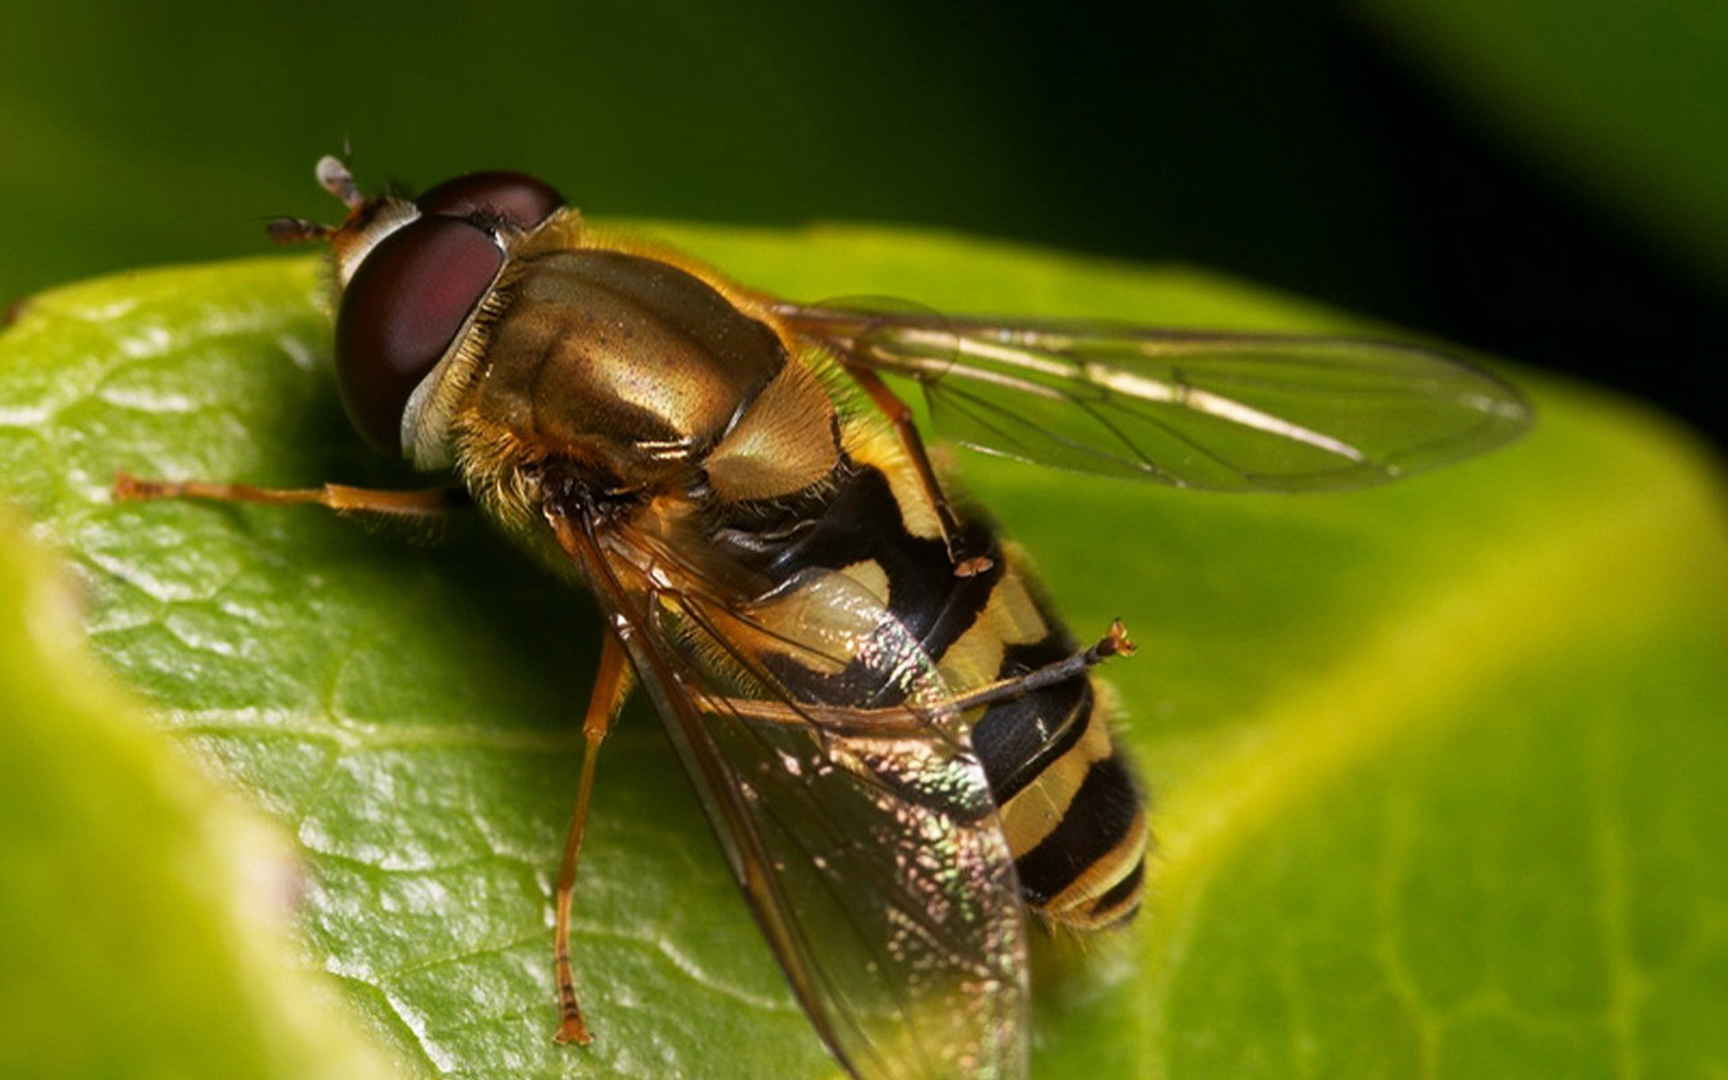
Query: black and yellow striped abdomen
point(1069, 805)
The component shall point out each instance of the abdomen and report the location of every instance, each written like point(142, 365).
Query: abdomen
point(1069, 805)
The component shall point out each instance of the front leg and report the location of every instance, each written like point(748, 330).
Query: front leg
point(424, 503)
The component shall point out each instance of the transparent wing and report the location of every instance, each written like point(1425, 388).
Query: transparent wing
point(848, 800)
point(1220, 411)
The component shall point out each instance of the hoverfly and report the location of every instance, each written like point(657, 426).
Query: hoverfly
point(898, 744)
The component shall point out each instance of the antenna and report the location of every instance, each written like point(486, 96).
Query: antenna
point(334, 177)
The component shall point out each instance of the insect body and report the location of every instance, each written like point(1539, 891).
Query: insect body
point(898, 743)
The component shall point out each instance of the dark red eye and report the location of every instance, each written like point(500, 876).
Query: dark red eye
point(400, 313)
point(512, 196)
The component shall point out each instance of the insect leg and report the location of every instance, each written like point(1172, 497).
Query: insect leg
point(901, 417)
point(334, 496)
point(905, 720)
point(611, 685)
point(1114, 643)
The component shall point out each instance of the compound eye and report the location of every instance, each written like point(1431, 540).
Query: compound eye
point(514, 197)
point(400, 313)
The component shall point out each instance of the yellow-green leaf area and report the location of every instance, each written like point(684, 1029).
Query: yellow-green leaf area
point(145, 920)
point(1428, 763)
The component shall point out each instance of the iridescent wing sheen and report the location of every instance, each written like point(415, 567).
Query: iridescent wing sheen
point(848, 801)
point(1218, 411)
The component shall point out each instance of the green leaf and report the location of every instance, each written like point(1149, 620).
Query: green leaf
point(1627, 100)
point(144, 925)
point(1431, 765)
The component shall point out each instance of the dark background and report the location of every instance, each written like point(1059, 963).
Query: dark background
point(1469, 171)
